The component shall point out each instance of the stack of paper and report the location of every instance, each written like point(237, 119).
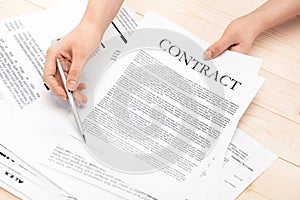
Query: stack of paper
point(188, 110)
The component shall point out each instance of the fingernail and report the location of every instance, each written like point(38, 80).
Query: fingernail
point(207, 55)
point(71, 85)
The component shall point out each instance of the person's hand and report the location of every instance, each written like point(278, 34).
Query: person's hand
point(238, 36)
point(73, 51)
point(241, 32)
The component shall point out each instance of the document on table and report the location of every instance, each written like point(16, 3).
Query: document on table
point(27, 183)
point(185, 177)
point(17, 176)
point(232, 64)
point(189, 113)
point(245, 160)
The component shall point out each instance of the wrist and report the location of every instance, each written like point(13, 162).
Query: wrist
point(91, 26)
point(100, 13)
point(90, 33)
point(255, 22)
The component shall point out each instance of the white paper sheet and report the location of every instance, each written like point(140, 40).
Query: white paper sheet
point(245, 160)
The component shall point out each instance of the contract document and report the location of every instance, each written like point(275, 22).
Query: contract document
point(154, 122)
point(168, 114)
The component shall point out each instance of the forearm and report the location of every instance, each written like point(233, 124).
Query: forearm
point(273, 12)
point(99, 13)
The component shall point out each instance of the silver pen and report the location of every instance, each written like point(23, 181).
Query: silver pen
point(71, 102)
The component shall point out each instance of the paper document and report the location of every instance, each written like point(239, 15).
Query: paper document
point(237, 175)
point(156, 117)
point(167, 93)
point(26, 181)
point(145, 87)
point(245, 160)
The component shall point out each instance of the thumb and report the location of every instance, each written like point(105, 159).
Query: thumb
point(74, 73)
point(217, 48)
point(241, 48)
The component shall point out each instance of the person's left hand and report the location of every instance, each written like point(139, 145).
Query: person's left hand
point(238, 36)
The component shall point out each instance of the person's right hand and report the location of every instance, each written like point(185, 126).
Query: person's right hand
point(238, 36)
point(73, 51)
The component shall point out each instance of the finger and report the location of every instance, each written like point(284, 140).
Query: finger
point(50, 74)
point(218, 47)
point(59, 90)
point(81, 86)
point(79, 98)
point(50, 69)
point(66, 64)
point(83, 97)
point(240, 48)
point(75, 71)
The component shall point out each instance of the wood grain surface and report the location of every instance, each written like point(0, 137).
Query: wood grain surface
point(273, 118)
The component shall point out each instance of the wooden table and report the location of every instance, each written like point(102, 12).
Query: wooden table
point(273, 118)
